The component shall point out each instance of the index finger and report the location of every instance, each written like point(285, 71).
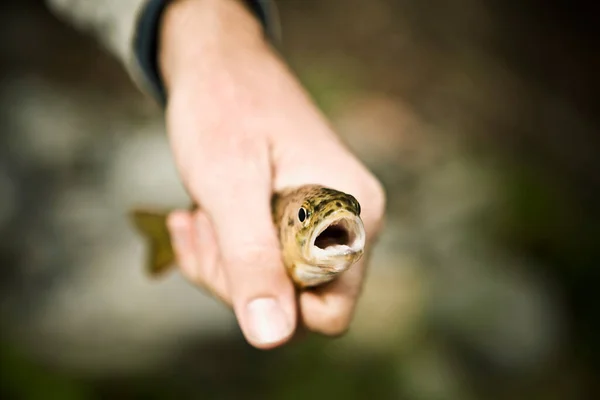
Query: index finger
point(235, 189)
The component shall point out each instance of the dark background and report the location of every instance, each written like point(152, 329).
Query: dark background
point(479, 116)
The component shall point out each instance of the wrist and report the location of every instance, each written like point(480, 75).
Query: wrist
point(197, 35)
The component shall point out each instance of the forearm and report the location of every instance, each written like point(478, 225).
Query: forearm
point(197, 35)
point(131, 29)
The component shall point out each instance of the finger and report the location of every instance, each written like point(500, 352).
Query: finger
point(329, 309)
point(262, 294)
point(196, 250)
point(182, 240)
point(210, 265)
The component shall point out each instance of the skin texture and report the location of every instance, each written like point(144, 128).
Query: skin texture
point(242, 127)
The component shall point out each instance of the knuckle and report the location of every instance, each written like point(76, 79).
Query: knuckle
point(334, 323)
point(189, 267)
point(375, 207)
point(176, 222)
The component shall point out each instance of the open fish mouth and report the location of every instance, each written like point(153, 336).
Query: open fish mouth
point(340, 236)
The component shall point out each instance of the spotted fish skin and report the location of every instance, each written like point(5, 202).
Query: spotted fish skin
point(321, 206)
point(319, 203)
point(298, 213)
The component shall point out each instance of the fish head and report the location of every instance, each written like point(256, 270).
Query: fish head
point(324, 234)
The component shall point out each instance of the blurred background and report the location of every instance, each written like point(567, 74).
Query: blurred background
point(479, 116)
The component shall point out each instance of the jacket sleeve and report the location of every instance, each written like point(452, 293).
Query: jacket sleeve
point(128, 29)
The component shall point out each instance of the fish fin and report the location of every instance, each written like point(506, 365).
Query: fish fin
point(152, 225)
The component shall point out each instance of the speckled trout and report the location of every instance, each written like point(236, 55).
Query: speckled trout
point(320, 232)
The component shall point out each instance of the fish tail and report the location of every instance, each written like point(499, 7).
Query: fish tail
point(152, 225)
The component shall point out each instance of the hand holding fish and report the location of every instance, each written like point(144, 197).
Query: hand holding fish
point(242, 128)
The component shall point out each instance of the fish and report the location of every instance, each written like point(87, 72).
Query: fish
point(320, 231)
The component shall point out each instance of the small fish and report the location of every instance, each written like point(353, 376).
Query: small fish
point(320, 231)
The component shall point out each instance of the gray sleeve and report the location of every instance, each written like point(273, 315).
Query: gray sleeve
point(112, 22)
point(128, 30)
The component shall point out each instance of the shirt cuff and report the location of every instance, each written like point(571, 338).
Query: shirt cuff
point(145, 44)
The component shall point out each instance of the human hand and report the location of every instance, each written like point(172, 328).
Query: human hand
point(242, 127)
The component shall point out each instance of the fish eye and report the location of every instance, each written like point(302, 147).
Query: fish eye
point(302, 214)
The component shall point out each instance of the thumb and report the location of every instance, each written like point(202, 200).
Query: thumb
point(237, 197)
